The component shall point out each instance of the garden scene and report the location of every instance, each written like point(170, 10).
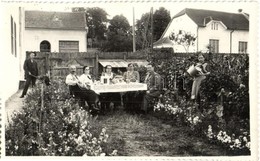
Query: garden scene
point(51, 122)
point(128, 80)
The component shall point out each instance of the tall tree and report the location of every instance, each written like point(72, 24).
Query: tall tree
point(161, 18)
point(96, 19)
point(96, 22)
point(143, 32)
point(119, 23)
point(119, 36)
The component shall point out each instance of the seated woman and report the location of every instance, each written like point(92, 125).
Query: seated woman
point(131, 102)
point(131, 75)
point(110, 100)
point(86, 78)
point(89, 95)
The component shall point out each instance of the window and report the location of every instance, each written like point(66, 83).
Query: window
point(242, 47)
point(13, 37)
point(214, 26)
point(68, 46)
point(45, 46)
point(214, 45)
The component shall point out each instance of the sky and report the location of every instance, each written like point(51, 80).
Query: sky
point(126, 9)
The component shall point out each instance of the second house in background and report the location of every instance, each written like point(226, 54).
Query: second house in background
point(55, 31)
point(221, 32)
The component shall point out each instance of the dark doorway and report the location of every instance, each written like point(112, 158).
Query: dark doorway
point(45, 46)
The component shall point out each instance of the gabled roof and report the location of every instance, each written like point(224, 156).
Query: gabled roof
point(55, 20)
point(165, 41)
point(233, 21)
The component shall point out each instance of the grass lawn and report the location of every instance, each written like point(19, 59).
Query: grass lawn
point(147, 135)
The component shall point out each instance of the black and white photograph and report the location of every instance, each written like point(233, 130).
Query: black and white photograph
point(127, 80)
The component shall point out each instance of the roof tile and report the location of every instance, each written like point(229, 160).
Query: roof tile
point(233, 21)
point(55, 20)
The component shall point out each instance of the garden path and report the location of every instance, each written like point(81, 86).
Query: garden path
point(147, 135)
point(14, 103)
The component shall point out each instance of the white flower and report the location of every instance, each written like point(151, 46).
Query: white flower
point(248, 145)
point(237, 141)
point(244, 139)
point(85, 155)
point(103, 154)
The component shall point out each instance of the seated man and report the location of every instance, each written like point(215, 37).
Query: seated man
point(153, 81)
point(81, 93)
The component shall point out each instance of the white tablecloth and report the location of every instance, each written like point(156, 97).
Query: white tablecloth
point(121, 87)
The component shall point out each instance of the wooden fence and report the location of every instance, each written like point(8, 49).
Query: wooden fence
point(57, 63)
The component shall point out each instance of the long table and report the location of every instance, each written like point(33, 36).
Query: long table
point(120, 87)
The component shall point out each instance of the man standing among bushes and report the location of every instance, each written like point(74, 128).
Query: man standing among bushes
point(31, 72)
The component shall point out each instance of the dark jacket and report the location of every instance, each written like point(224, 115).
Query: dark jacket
point(153, 82)
point(31, 67)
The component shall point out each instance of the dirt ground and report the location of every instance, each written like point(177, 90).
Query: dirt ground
point(14, 103)
point(146, 135)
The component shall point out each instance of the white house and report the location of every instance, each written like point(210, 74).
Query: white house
point(222, 32)
point(11, 28)
point(55, 31)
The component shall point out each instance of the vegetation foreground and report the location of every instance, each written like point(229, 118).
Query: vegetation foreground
point(62, 128)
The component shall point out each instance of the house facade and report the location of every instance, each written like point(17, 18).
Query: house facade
point(218, 32)
point(55, 31)
point(11, 28)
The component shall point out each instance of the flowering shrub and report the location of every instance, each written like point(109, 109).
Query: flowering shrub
point(239, 145)
point(60, 127)
point(219, 96)
point(183, 112)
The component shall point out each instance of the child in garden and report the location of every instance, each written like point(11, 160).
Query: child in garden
point(201, 66)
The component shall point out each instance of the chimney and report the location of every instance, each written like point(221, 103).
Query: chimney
point(243, 13)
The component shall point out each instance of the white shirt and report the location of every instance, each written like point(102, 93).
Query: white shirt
point(86, 80)
point(110, 76)
point(71, 80)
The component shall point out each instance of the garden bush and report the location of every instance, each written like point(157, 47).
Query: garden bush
point(224, 97)
point(58, 128)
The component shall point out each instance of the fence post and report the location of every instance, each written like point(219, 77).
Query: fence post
point(96, 65)
point(47, 63)
point(124, 56)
